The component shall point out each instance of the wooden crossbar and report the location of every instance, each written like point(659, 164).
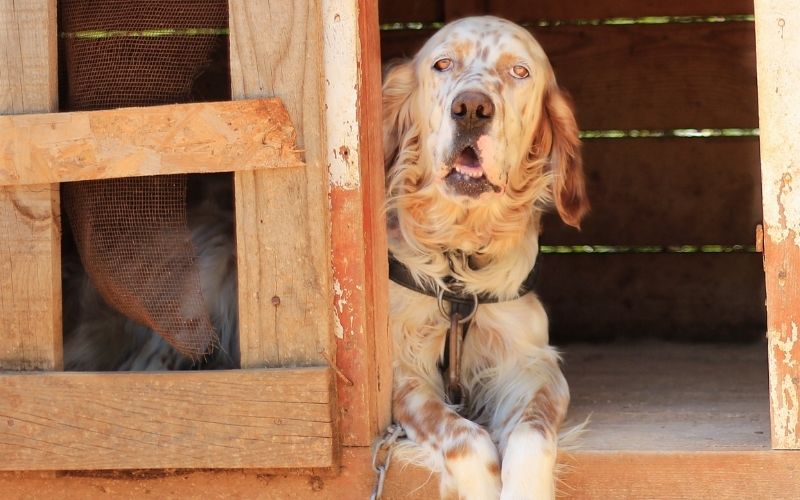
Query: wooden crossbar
point(130, 142)
point(229, 419)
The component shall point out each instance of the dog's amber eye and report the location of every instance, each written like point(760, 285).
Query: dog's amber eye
point(443, 64)
point(520, 72)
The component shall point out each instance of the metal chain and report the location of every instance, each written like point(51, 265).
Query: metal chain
point(382, 456)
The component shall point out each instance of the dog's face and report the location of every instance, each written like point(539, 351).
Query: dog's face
point(481, 102)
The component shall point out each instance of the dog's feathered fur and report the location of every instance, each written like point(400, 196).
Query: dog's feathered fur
point(503, 442)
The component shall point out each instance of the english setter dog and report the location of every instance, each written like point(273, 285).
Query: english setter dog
point(479, 141)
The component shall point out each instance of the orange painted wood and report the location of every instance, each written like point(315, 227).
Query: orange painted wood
point(358, 247)
point(644, 77)
point(232, 418)
point(778, 37)
point(130, 142)
point(30, 216)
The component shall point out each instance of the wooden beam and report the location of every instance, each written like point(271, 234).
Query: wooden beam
point(285, 303)
point(30, 228)
point(130, 142)
point(253, 418)
point(778, 51)
point(358, 236)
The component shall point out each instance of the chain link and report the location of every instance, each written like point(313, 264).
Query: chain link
point(382, 456)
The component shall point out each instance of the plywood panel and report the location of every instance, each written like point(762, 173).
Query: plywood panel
point(667, 191)
point(266, 418)
point(282, 217)
point(644, 77)
point(522, 10)
point(128, 142)
point(777, 24)
point(30, 229)
point(713, 297)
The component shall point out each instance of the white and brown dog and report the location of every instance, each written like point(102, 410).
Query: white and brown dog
point(479, 141)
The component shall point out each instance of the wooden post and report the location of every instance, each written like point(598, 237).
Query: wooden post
point(778, 55)
point(358, 236)
point(30, 222)
point(285, 304)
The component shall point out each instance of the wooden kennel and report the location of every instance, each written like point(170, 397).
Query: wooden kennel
point(672, 136)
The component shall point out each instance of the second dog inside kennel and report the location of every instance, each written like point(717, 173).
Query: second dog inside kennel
point(658, 302)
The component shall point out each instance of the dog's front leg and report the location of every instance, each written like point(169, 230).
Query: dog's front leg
point(471, 465)
point(530, 437)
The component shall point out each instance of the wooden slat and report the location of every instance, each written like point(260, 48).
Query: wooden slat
point(30, 230)
point(712, 297)
point(358, 236)
point(667, 192)
point(779, 109)
point(258, 418)
point(644, 77)
point(130, 142)
point(423, 11)
point(523, 10)
point(456, 9)
point(285, 304)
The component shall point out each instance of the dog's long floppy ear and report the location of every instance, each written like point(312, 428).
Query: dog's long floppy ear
point(399, 83)
point(569, 187)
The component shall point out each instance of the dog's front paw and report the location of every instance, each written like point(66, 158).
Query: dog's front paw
point(529, 464)
point(472, 464)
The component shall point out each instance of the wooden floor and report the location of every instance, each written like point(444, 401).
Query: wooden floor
point(667, 421)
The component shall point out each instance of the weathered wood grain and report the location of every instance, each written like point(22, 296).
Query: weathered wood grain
point(254, 418)
point(643, 77)
point(131, 142)
point(285, 303)
point(667, 191)
point(686, 297)
point(778, 36)
point(30, 228)
point(358, 235)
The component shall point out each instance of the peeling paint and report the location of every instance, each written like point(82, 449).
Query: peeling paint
point(339, 303)
point(341, 66)
point(783, 390)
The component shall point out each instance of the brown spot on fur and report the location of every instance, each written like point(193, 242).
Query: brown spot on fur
point(545, 412)
point(461, 49)
point(457, 450)
point(494, 468)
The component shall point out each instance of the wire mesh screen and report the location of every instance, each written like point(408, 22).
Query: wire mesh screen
point(132, 233)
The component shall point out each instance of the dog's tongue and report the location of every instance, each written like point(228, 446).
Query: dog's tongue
point(468, 163)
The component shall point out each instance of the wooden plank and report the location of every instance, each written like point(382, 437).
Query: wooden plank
point(254, 418)
point(358, 236)
point(697, 297)
point(456, 9)
point(657, 476)
point(30, 229)
point(779, 111)
point(419, 11)
point(667, 192)
point(522, 10)
point(644, 77)
point(285, 303)
point(131, 142)
point(666, 397)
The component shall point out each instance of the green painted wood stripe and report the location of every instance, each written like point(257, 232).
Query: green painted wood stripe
point(611, 21)
point(629, 249)
point(687, 133)
point(148, 33)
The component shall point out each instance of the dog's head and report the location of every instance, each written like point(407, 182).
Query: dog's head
point(479, 115)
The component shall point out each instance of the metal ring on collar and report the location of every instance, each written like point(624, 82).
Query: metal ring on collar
point(446, 314)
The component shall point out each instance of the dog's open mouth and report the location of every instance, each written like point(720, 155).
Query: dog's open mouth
point(466, 175)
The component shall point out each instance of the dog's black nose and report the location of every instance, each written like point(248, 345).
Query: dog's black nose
point(471, 109)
